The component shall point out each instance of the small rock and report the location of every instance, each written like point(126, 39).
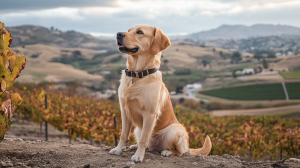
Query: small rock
point(8, 139)
point(38, 140)
point(19, 139)
point(107, 148)
point(294, 160)
point(187, 154)
point(222, 164)
point(195, 163)
point(201, 156)
point(19, 163)
point(87, 166)
point(6, 164)
point(129, 165)
point(147, 160)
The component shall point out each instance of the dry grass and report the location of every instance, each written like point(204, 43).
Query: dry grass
point(37, 71)
point(47, 52)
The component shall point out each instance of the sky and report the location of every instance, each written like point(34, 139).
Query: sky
point(174, 17)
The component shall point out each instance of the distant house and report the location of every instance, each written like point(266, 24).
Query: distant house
point(103, 73)
point(290, 53)
point(249, 71)
point(195, 86)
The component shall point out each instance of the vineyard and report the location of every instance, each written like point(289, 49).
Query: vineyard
point(293, 90)
point(89, 119)
point(257, 92)
point(290, 74)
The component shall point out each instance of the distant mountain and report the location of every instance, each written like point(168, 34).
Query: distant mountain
point(240, 31)
point(261, 43)
point(28, 35)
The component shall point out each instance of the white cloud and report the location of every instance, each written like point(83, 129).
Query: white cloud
point(173, 16)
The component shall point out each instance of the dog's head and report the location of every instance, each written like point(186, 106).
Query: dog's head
point(142, 39)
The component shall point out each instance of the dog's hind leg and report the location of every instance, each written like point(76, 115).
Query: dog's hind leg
point(137, 135)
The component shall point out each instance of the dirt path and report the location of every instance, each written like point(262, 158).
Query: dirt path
point(250, 112)
point(18, 153)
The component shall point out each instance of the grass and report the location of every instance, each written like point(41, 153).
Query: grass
point(249, 92)
point(290, 74)
point(243, 66)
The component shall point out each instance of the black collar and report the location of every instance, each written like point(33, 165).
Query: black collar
point(140, 74)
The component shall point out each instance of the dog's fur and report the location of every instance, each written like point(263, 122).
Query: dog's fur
point(145, 103)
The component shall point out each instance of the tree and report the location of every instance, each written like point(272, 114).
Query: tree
point(265, 64)
point(236, 57)
point(205, 62)
point(221, 54)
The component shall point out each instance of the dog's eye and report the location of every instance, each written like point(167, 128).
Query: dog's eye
point(139, 32)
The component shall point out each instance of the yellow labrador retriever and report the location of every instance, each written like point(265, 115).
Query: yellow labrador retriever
point(145, 101)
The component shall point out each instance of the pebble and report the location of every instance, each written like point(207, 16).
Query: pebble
point(87, 166)
point(130, 164)
point(187, 154)
point(294, 160)
point(195, 163)
point(8, 139)
point(19, 139)
point(201, 156)
point(38, 140)
point(6, 164)
point(222, 163)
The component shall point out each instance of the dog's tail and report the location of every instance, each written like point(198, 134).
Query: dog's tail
point(205, 148)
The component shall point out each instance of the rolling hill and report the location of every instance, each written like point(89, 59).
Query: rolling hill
point(28, 35)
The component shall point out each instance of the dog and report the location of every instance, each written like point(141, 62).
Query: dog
point(144, 99)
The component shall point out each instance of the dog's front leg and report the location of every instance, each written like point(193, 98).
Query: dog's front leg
point(148, 126)
point(126, 125)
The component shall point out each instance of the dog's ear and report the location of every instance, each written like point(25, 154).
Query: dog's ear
point(160, 42)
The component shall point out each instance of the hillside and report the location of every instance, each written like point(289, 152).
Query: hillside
point(241, 31)
point(28, 35)
point(260, 43)
point(40, 66)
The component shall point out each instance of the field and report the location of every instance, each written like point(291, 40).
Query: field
point(257, 92)
point(88, 119)
point(293, 90)
point(249, 92)
point(290, 74)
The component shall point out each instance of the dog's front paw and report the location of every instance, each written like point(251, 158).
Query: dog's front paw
point(115, 151)
point(137, 158)
point(166, 153)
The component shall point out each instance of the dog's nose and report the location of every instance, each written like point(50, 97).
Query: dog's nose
point(120, 35)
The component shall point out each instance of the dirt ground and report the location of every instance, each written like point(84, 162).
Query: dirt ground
point(18, 153)
point(25, 146)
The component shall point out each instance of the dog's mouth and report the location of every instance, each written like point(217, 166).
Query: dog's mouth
point(122, 48)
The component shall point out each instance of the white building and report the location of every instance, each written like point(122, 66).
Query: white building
point(248, 71)
point(195, 86)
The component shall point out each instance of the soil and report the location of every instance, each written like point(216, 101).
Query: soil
point(24, 146)
point(18, 153)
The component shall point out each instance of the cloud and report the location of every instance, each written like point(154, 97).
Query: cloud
point(25, 5)
point(174, 17)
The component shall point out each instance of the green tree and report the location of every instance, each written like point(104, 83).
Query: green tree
point(265, 64)
point(236, 57)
